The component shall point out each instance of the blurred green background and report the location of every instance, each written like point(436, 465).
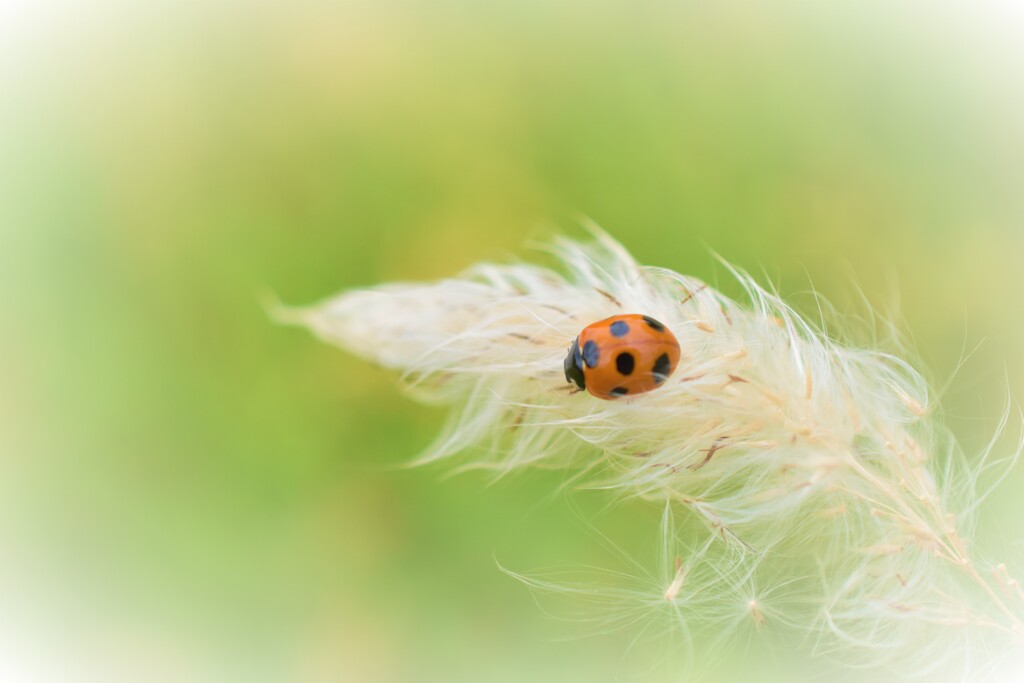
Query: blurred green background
point(189, 492)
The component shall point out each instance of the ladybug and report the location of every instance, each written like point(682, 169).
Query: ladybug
point(622, 355)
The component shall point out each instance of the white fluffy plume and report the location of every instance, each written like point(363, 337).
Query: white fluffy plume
point(840, 509)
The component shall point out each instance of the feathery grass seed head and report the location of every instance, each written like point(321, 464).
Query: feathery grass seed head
point(810, 468)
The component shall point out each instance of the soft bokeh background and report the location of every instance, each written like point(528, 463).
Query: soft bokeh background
point(189, 492)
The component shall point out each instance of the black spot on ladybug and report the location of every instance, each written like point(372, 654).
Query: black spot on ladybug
point(625, 362)
point(661, 368)
point(655, 325)
point(619, 328)
point(590, 354)
point(619, 391)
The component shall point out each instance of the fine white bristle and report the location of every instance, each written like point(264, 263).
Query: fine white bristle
point(832, 506)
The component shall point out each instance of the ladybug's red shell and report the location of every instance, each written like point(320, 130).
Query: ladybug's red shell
point(623, 355)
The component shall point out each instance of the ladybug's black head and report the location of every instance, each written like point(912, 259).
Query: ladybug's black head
point(574, 366)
